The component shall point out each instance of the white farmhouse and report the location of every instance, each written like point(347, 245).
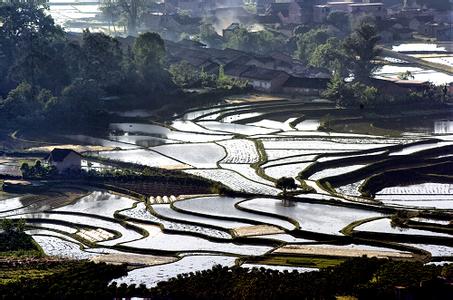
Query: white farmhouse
point(64, 160)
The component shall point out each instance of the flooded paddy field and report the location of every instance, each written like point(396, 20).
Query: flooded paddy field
point(248, 149)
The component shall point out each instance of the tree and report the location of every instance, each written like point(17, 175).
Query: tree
point(78, 104)
point(25, 169)
point(26, 29)
point(350, 94)
point(41, 63)
point(101, 59)
point(361, 50)
point(286, 183)
point(309, 41)
point(111, 12)
point(22, 105)
point(183, 73)
point(338, 91)
point(131, 9)
point(330, 56)
point(261, 42)
point(149, 55)
point(406, 75)
point(239, 39)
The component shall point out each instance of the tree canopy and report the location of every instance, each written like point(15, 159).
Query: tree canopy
point(362, 52)
point(285, 184)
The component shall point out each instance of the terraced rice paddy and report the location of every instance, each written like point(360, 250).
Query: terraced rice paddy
point(225, 207)
point(247, 150)
point(334, 218)
point(384, 225)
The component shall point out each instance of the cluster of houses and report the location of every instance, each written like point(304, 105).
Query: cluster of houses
point(399, 22)
point(275, 73)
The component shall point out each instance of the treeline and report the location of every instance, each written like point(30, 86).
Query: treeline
point(66, 280)
point(48, 75)
point(365, 278)
point(360, 277)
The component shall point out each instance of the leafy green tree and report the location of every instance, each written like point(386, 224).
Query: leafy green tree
point(338, 91)
point(309, 41)
point(329, 55)
point(285, 184)
point(40, 62)
point(149, 54)
point(102, 59)
point(26, 28)
point(350, 94)
point(79, 103)
point(362, 51)
point(228, 83)
point(183, 73)
point(260, 42)
point(240, 39)
point(22, 104)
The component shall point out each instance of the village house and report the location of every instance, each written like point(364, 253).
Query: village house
point(358, 10)
point(355, 10)
point(304, 86)
point(264, 73)
point(171, 26)
point(227, 32)
point(262, 6)
point(288, 13)
point(64, 160)
point(265, 80)
point(439, 31)
point(194, 8)
point(398, 86)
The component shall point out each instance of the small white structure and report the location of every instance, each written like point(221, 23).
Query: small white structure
point(65, 160)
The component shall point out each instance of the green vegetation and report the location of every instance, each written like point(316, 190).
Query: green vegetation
point(37, 171)
point(47, 77)
point(240, 38)
point(185, 75)
point(285, 184)
point(261, 42)
point(353, 60)
point(47, 279)
point(297, 261)
point(14, 241)
point(361, 50)
point(361, 277)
